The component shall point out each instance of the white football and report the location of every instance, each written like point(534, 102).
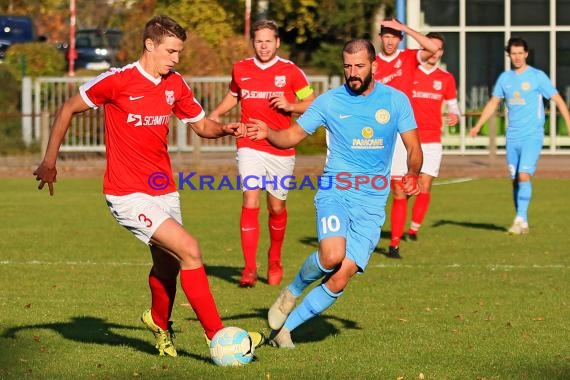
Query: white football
point(231, 346)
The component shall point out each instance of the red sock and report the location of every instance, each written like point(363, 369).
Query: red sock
point(420, 208)
point(249, 226)
point(277, 224)
point(162, 294)
point(398, 220)
point(195, 285)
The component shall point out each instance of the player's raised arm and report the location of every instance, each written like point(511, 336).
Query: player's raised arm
point(429, 47)
point(46, 171)
point(284, 138)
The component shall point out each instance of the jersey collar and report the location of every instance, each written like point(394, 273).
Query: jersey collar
point(426, 71)
point(266, 65)
point(389, 58)
point(147, 75)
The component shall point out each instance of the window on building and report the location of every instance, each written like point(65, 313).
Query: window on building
point(530, 12)
point(563, 65)
point(440, 12)
point(485, 12)
point(450, 60)
point(485, 53)
point(563, 12)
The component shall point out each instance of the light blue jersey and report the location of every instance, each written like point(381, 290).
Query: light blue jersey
point(523, 94)
point(361, 135)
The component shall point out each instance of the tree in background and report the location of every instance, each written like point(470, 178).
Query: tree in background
point(213, 44)
point(313, 31)
point(317, 29)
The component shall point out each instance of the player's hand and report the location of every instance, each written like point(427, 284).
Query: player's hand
point(46, 174)
point(281, 103)
point(236, 129)
point(473, 132)
point(393, 24)
point(411, 184)
point(257, 129)
point(452, 119)
point(214, 117)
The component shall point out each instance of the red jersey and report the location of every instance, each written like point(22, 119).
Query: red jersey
point(431, 89)
point(138, 108)
point(397, 70)
point(255, 83)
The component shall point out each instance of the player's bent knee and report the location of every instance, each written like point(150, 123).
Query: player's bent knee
point(331, 259)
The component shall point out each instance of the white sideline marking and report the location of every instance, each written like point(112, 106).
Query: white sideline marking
point(491, 267)
point(37, 262)
point(452, 181)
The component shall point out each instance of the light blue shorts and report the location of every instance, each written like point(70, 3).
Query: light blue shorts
point(523, 155)
point(359, 225)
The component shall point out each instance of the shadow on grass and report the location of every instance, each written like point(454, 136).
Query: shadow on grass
point(316, 329)
point(481, 226)
point(229, 274)
point(93, 330)
point(322, 327)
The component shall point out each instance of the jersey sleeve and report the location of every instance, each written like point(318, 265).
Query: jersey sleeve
point(314, 116)
point(186, 107)
point(406, 120)
point(99, 90)
point(450, 95)
point(301, 84)
point(546, 87)
point(234, 88)
point(450, 88)
point(498, 88)
point(417, 54)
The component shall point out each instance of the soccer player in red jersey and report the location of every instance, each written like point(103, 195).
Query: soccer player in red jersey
point(432, 87)
point(270, 89)
point(140, 191)
point(395, 68)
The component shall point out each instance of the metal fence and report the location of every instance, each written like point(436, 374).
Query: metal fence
point(42, 97)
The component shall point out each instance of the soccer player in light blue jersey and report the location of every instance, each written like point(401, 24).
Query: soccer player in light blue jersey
point(362, 119)
point(522, 89)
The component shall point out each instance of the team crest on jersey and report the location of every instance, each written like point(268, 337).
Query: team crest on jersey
point(382, 116)
point(280, 81)
point(398, 63)
point(437, 85)
point(367, 132)
point(368, 142)
point(169, 97)
point(525, 86)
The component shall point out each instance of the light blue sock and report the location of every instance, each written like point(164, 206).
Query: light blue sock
point(318, 300)
point(523, 199)
point(310, 271)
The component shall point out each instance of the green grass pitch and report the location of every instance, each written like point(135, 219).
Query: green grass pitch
point(467, 301)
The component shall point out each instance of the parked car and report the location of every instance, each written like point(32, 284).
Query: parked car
point(97, 48)
point(16, 29)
